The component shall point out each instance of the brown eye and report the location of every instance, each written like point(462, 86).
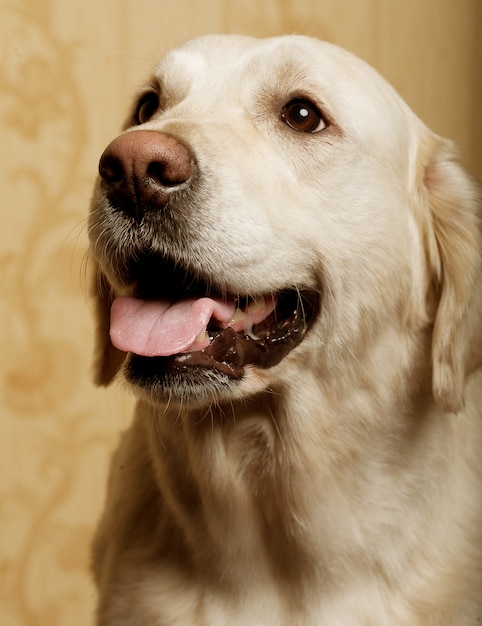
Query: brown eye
point(146, 107)
point(303, 116)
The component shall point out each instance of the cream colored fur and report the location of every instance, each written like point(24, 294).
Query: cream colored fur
point(342, 487)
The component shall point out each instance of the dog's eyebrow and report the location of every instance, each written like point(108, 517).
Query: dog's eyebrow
point(169, 91)
point(154, 85)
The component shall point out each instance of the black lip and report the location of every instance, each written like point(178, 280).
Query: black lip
point(230, 352)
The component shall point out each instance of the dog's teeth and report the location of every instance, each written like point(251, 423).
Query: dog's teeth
point(202, 337)
point(255, 305)
point(238, 316)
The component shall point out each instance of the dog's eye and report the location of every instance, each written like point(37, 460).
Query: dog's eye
point(146, 107)
point(303, 116)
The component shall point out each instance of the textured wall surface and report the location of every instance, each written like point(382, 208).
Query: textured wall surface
point(66, 73)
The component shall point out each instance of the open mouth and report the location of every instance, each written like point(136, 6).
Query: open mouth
point(185, 323)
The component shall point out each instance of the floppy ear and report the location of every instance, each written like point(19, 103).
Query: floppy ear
point(454, 250)
point(107, 360)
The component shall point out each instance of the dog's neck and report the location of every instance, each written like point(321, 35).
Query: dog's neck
point(241, 488)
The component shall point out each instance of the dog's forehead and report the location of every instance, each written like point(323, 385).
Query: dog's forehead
point(210, 60)
point(238, 72)
point(224, 61)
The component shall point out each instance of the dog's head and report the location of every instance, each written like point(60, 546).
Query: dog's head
point(273, 206)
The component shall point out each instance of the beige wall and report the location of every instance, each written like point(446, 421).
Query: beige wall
point(66, 72)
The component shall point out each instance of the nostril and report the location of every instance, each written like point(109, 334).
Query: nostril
point(155, 172)
point(111, 169)
point(167, 173)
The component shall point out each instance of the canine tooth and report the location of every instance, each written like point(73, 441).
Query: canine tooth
point(238, 316)
point(255, 305)
point(201, 338)
point(244, 318)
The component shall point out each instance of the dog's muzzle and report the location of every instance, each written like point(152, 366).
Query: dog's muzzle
point(174, 318)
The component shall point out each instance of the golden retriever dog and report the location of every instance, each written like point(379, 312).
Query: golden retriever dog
point(288, 274)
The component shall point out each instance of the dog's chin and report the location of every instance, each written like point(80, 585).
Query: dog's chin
point(233, 365)
point(158, 381)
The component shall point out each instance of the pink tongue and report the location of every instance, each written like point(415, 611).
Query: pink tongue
point(161, 327)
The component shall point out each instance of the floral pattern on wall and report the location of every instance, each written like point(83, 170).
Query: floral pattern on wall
point(53, 441)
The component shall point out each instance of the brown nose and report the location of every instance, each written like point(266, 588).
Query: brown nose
point(142, 168)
